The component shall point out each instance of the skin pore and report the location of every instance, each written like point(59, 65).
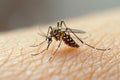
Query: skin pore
point(69, 63)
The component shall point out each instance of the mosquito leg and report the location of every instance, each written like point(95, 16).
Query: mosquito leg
point(88, 44)
point(55, 51)
point(38, 44)
point(50, 28)
point(62, 22)
point(46, 48)
point(43, 50)
point(47, 38)
point(58, 24)
point(96, 48)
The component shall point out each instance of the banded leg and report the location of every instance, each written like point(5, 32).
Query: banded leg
point(44, 49)
point(63, 23)
point(55, 50)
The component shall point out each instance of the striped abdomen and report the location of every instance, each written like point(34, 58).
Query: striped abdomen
point(69, 41)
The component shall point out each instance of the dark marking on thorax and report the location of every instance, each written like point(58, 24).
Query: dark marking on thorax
point(56, 34)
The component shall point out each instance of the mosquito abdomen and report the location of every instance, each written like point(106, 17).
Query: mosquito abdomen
point(69, 41)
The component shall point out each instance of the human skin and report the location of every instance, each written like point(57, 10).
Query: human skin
point(83, 63)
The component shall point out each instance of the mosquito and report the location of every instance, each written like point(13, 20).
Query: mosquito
point(60, 34)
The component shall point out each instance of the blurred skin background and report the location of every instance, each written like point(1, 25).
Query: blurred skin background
point(15, 14)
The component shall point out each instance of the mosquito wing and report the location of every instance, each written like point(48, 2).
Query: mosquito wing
point(74, 30)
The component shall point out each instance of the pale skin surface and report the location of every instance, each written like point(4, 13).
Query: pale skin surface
point(82, 63)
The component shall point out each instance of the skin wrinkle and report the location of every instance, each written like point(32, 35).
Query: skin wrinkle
point(73, 65)
point(89, 73)
point(62, 65)
point(92, 68)
point(110, 59)
point(36, 67)
point(6, 60)
point(25, 53)
point(21, 53)
point(69, 60)
point(118, 67)
point(113, 74)
point(107, 70)
point(25, 69)
point(101, 56)
point(82, 66)
point(102, 63)
point(25, 58)
point(81, 51)
point(118, 71)
point(48, 68)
